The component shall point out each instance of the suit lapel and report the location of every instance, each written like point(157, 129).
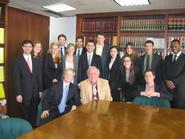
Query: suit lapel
point(89, 89)
point(23, 61)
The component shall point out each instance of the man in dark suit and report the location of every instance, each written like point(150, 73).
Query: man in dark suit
point(103, 51)
point(61, 98)
point(88, 59)
point(62, 43)
point(80, 50)
point(150, 61)
point(174, 74)
point(28, 82)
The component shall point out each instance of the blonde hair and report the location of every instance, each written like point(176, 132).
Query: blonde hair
point(57, 58)
point(69, 69)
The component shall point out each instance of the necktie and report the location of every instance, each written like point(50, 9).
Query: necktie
point(29, 64)
point(174, 58)
point(78, 52)
point(147, 62)
point(89, 60)
point(62, 104)
point(94, 91)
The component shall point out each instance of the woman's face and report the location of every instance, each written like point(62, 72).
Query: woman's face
point(113, 52)
point(37, 48)
point(71, 50)
point(55, 49)
point(129, 50)
point(127, 62)
point(149, 77)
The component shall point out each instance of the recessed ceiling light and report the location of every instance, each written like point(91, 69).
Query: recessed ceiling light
point(59, 7)
point(132, 2)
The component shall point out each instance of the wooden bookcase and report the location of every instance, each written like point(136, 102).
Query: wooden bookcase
point(3, 46)
point(159, 25)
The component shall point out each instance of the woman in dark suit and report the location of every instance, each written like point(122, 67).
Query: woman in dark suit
point(52, 66)
point(130, 78)
point(114, 66)
point(71, 61)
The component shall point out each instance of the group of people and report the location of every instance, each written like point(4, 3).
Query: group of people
point(74, 75)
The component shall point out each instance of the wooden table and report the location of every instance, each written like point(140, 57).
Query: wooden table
point(114, 120)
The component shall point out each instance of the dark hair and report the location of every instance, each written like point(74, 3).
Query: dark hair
point(26, 42)
point(175, 40)
point(149, 70)
point(149, 41)
point(100, 33)
point(91, 41)
point(62, 35)
point(80, 37)
point(132, 70)
point(113, 47)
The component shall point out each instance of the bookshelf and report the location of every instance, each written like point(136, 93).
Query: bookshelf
point(121, 27)
point(3, 47)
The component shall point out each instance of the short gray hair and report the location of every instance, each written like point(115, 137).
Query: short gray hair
point(95, 68)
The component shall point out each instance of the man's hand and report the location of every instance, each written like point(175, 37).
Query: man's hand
point(19, 98)
point(169, 84)
point(73, 108)
point(45, 114)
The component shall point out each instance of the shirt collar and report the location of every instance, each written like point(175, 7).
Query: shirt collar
point(178, 54)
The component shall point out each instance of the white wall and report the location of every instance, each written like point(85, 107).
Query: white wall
point(64, 25)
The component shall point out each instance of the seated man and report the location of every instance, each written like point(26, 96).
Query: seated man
point(94, 88)
point(61, 98)
point(152, 93)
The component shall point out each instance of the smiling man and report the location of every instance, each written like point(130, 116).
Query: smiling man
point(94, 88)
point(174, 74)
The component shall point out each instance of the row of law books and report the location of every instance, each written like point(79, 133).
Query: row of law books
point(181, 38)
point(139, 41)
point(142, 25)
point(176, 24)
point(108, 39)
point(94, 25)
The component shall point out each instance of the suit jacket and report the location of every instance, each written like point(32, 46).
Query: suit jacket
point(53, 98)
point(83, 65)
point(84, 50)
point(86, 90)
point(104, 59)
point(75, 63)
point(115, 74)
point(27, 84)
point(129, 90)
point(176, 73)
point(156, 66)
point(50, 72)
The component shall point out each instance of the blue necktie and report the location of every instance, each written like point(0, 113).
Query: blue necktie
point(62, 104)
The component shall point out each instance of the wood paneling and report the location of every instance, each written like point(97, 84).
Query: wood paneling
point(22, 25)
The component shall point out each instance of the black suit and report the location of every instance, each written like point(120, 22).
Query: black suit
point(175, 71)
point(115, 78)
point(28, 85)
point(104, 59)
point(83, 65)
point(156, 66)
point(84, 50)
point(50, 71)
point(53, 98)
point(129, 90)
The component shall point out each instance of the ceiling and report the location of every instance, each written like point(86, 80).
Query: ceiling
point(92, 6)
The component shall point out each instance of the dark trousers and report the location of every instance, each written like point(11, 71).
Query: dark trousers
point(29, 110)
